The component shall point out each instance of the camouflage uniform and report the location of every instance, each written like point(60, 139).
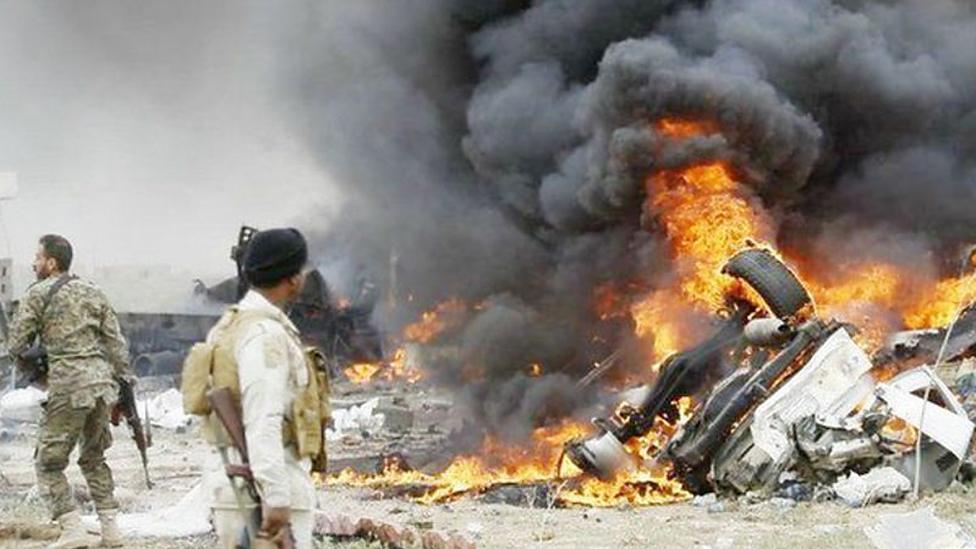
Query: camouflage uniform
point(85, 347)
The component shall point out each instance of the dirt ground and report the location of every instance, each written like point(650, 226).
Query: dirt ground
point(175, 468)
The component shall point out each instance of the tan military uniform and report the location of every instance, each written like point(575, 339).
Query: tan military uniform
point(85, 347)
point(272, 369)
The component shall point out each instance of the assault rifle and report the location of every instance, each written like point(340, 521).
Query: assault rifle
point(126, 408)
point(228, 412)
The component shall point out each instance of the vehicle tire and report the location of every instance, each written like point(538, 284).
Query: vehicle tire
point(778, 286)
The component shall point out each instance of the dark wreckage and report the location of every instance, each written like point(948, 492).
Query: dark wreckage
point(798, 395)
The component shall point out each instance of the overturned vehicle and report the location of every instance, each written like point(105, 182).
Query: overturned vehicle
point(796, 393)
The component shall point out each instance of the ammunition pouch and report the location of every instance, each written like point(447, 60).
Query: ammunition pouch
point(311, 413)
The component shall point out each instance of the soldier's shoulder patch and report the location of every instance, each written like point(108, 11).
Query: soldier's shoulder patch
point(251, 333)
point(275, 351)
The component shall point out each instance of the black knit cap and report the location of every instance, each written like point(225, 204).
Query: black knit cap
point(274, 255)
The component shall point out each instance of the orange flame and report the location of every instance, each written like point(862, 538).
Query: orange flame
point(916, 300)
point(942, 303)
point(654, 317)
point(401, 369)
point(362, 372)
point(706, 216)
point(608, 302)
point(497, 463)
point(683, 128)
point(396, 369)
point(873, 283)
point(446, 315)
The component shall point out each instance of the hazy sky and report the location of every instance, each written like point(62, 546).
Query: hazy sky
point(146, 132)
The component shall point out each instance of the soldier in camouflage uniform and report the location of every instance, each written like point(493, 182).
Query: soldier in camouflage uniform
point(80, 331)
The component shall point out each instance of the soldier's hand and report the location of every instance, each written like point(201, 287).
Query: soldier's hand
point(275, 518)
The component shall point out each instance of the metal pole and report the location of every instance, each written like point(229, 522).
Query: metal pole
point(928, 386)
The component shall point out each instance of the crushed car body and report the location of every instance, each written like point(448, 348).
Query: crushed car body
point(798, 394)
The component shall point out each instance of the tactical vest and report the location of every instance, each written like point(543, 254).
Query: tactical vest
point(212, 365)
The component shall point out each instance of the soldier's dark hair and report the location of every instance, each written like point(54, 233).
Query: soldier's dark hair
point(58, 248)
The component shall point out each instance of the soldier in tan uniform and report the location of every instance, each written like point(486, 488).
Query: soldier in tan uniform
point(272, 369)
point(77, 326)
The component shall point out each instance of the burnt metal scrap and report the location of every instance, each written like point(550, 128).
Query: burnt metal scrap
point(158, 343)
point(791, 391)
point(344, 332)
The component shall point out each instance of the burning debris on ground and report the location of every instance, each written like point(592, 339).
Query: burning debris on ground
point(760, 398)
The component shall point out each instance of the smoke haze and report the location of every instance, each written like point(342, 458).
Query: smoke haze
point(490, 151)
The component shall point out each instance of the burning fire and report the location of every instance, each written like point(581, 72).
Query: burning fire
point(396, 368)
point(871, 283)
point(706, 214)
point(683, 128)
point(362, 372)
point(495, 463)
point(654, 316)
point(400, 369)
point(446, 315)
point(659, 435)
point(860, 294)
point(538, 462)
point(608, 301)
point(942, 303)
point(914, 301)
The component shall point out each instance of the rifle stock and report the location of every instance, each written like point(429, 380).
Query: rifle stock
point(226, 409)
point(223, 404)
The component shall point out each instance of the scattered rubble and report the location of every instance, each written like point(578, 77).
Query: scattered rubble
point(355, 420)
point(704, 500)
point(883, 484)
point(165, 410)
point(392, 536)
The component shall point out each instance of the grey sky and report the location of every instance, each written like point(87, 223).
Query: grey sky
point(146, 132)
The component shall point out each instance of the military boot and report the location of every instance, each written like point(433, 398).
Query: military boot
point(73, 534)
point(111, 535)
